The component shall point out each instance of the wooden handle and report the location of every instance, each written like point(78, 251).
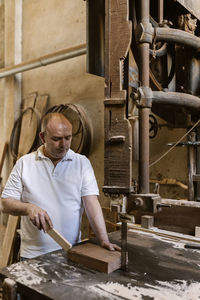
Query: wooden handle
point(59, 239)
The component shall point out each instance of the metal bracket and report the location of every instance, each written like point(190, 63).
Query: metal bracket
point(144, 97)
point(144, 33)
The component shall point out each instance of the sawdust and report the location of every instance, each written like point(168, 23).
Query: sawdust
point(25, 276)
point(34, 273)
point(175, 241)
point(162, 291)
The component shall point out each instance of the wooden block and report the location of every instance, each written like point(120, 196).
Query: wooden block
point(147, 222)
point(197, 231)
point(96, 257)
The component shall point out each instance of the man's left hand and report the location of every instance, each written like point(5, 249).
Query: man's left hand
point(110, 246)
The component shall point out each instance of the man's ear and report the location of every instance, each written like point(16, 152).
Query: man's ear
point(42, 137)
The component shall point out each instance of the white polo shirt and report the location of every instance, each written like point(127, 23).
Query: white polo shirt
point(58, 190)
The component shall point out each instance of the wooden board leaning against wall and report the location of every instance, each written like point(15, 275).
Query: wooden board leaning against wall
point(34, 107)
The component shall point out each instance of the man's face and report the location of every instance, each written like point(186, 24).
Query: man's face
point(57, 138)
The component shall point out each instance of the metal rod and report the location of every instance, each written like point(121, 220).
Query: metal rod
point(197, 196)
point(144, 150)
point(143, 111)
point(44, 60)
point(160, 11)
point(144, 8)
point(124, 246)
point(191, 167)
point(144, 64)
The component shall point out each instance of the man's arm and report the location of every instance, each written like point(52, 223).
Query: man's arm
point(37, 215)
point(96, 219)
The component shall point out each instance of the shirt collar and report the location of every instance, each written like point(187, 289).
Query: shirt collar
point(40, 154)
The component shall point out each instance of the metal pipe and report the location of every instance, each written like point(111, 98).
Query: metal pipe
point(144, 64)
point(144, 9)
point(191, 167)
point(160, 11)
point(144, 150)
point(177, 36)
point(177, 99)
point(143, 111)
point(44, 60)
point(197, 196)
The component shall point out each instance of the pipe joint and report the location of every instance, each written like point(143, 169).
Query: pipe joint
point(144, 97)
point(144, 33)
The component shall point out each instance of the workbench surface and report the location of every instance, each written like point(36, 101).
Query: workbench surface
point(159, 268)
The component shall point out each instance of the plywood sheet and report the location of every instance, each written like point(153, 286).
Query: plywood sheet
point(95, 257)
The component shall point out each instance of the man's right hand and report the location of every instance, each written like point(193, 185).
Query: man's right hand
point(39, 217)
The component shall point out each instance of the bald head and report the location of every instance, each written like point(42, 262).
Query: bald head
point(56, 135)
point(53, 117)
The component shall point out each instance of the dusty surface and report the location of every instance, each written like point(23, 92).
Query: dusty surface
point(159, 268)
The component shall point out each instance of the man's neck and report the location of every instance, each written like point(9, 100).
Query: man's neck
point(55, 161)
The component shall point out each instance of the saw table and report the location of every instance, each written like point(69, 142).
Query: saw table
point(159, 268)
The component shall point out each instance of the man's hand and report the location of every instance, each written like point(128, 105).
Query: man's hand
point(39, 217)
point(110, 246)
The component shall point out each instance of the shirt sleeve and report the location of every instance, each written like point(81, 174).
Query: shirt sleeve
point(14, 186)
point(89, 183)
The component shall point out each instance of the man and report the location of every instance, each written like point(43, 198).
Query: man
point(50, 188)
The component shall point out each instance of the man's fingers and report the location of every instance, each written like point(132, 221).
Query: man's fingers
point(114, 247)
point(117, 248)
point(110, 246)
point(48, 221)
point(45, 221)
point(41, 220)
point(37, 221)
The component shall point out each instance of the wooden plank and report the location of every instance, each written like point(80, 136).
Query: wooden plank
point(95, 257)
point(3, 157)
point(8, 242)
point(13, 221)
point(64, 243)
point(163, 233)
point(40, 104)
point(28, 123)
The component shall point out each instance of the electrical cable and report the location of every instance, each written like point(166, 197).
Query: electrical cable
point(156, 161)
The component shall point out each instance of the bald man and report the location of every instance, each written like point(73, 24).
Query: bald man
point(50, 188)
